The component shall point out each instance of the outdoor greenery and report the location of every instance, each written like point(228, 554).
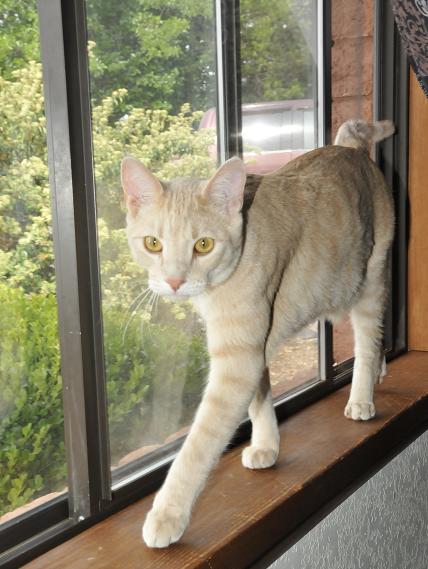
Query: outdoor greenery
point(277, 49)
point(31, 424)
point(152, 78)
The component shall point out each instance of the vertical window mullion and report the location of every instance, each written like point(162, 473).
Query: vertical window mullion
point(324, 45)
point(74, 232)
point(325, 349)
point(401, 157)
point(229, 112)
point(77, 76)
point(391, 101)
point(52, 56)
point(383, 107)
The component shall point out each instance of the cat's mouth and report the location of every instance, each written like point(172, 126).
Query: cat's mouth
point(185, 289)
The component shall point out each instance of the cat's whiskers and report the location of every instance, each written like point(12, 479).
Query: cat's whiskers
point(157, 305)
point(145, 297)
point(151, 303)
point(135, 301)
point(149, 309)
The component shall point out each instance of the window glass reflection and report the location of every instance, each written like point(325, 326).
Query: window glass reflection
point(280, 123)
point(152, 67)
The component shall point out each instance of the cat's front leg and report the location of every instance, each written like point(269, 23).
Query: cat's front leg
point(236, 368)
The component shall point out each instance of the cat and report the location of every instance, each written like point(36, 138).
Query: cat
point(261, 257)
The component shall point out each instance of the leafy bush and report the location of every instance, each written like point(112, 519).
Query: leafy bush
point(32, 459)
point(31, 418)
point(146, 360)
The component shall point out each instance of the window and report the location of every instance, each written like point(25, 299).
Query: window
point(352, 96)
point(181, 85)
point(282, 96)
point(33, 467)
point(148, 105)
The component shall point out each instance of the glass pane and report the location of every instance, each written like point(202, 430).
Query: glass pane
point(32, 457)
point(279, 81)
point(296, 362)
point(352, 93)
point(279, 123)
point(153, 90)
point(343, 341)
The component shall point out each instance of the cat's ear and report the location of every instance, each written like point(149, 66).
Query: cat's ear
point(226, 188)
point(140, 186)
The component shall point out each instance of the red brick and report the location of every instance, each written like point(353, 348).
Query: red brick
point(352, 19)
point(352, 67)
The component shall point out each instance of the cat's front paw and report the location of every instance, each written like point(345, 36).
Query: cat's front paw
point(258, 457)
point(164, 526)
point(360, 411)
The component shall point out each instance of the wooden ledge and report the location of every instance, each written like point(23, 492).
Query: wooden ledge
point(243, 515)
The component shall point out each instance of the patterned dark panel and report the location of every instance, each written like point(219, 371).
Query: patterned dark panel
point(411, 17)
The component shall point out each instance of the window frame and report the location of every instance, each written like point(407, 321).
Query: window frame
point(67, 98)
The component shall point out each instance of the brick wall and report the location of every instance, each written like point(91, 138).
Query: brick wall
point(352, 60)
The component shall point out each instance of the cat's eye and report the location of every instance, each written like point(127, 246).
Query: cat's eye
point(204, 245)
point(152, 244)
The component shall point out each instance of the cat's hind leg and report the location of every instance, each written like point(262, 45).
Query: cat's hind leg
point(382, 373)
point(264, 448)
point(369, 366)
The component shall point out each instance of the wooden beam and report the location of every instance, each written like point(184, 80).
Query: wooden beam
point(418, 198)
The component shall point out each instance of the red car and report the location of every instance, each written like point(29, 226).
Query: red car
point(273, 133)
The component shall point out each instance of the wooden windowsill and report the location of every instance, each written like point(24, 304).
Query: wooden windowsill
point(246, 518)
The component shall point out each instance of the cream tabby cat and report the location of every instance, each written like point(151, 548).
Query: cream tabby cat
point(261, 257)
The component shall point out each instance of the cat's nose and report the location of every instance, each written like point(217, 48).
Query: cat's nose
point(174, 282)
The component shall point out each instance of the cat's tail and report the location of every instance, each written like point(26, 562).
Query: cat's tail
point(358, 133)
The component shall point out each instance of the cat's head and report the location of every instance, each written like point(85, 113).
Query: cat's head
point(187, 232)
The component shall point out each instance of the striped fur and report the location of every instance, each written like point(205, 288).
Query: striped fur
point(310, 240)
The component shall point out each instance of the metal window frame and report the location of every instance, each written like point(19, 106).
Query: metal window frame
point(66, 84)
point(87, 256)
point(75, 248)
point(391, 88)
point(228, 63)
point(325, 328)
point(67, 109)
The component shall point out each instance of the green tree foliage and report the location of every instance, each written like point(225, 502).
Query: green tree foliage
point(31, 416)
point(19, 39)
point(32, 457)
point(161, 52)
point(170, 144)
point(26, 257)
point(277, 49)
